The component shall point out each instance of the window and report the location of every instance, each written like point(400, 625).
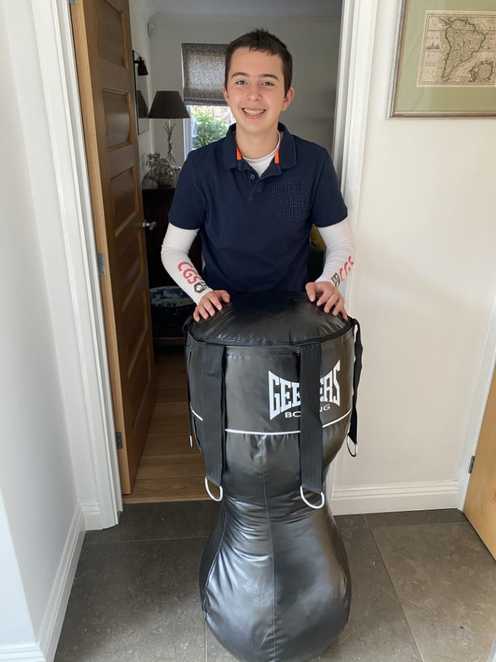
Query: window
point(203, 83)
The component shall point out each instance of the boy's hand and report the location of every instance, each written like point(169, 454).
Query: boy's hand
point(210, 303)
point(324, 292)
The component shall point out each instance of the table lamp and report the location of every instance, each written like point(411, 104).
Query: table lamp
point(167, 104)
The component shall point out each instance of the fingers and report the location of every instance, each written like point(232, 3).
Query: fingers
point(210, 303)
point(320, 292)
point(200, 312)
point(338, 309)
point(328, 295)
point(331, 301)
point(209, 307)
point(324, 297)
point(311, 290)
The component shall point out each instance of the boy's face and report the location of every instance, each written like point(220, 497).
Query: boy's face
point(255, 90)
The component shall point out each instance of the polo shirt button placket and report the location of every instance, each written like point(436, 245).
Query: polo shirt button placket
point(252, 178)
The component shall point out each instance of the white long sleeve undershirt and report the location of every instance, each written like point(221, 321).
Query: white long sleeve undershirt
point(177, 243)
point(338, 240)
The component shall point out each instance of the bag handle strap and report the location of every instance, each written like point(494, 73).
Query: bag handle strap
point(311, 452)
point(357, 370)
point(213, 410)
point(192, 431)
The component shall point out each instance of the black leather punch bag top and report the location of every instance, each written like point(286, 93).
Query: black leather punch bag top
point(272, 391)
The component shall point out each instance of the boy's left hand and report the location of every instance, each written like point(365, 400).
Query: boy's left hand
point(324, 292)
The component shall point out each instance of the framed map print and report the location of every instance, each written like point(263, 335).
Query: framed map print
point(446, 59)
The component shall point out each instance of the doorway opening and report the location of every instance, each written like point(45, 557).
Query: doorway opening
point(144, 309)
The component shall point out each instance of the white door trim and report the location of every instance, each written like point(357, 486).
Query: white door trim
point(356, 52)
point(478, 402)
point(98, 487)
point(59, 81)
point(355, 68)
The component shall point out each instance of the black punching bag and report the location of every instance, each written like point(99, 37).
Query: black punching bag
point(272, 388)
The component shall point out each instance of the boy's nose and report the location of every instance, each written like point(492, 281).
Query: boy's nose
point(253, 98)
point(253, 92)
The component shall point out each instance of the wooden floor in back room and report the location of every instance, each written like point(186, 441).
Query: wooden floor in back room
point(170, 470)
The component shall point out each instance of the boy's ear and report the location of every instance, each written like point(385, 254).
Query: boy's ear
point(288, 99)
point(226, 96)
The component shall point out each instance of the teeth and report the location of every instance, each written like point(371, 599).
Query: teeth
point(249, 111)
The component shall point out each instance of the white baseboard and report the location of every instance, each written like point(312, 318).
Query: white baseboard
point(51, 625)
point(394, 497)
point(53, 619)
point(92, 515)
point(22, 653)
point(44, 649)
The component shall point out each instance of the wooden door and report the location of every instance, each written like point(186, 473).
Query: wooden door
point(102, 45)
point(480, 502)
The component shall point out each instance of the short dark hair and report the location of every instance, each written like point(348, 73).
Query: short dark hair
point(262, 40)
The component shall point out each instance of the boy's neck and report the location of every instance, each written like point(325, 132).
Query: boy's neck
point(254, 146)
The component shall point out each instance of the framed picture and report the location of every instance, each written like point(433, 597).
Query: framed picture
point(445, 59)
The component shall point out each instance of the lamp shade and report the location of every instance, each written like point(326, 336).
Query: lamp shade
point(167, 104)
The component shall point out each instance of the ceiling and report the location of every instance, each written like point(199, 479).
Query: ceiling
point(285, 8)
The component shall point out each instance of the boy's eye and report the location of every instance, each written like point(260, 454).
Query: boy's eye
point(266, 83)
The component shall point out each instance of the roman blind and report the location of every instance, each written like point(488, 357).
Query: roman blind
point(203, 74)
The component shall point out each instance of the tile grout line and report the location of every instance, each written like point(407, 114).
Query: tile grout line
point(414, 639)
point(131, 540)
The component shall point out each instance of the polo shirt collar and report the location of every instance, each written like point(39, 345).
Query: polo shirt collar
point(287, 149)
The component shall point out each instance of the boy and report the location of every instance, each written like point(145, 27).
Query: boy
point(255, 194)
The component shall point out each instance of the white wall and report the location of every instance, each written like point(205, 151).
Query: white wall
point(139, 15)
point(16, 623)
point(39, 509)
point(313, 42)
point(423, 288)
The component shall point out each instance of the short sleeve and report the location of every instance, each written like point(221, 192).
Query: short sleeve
point(188, 207)
point(328, 205)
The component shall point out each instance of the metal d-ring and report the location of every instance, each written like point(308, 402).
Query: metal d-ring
point(221, 495)
point(348, 445)
point(310, 504)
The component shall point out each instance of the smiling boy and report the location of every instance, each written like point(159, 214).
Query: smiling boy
point(255, 194)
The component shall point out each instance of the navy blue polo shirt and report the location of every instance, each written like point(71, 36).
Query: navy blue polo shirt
point(255, 231)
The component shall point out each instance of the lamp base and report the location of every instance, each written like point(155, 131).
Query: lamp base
point(162, 173)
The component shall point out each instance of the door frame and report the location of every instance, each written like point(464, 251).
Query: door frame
point(98, 486)
point(94, 451)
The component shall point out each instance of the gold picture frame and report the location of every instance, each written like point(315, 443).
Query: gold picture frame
point(445, 59)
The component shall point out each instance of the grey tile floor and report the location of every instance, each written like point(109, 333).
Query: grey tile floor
point(424, 590)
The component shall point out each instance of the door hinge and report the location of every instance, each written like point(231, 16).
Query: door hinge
point(471, 465)
point(118, 440)
point(101, 263)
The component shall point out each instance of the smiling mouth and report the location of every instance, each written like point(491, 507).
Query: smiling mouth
point(253, 113)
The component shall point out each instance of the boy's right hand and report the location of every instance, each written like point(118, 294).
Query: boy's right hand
point(210, 303)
